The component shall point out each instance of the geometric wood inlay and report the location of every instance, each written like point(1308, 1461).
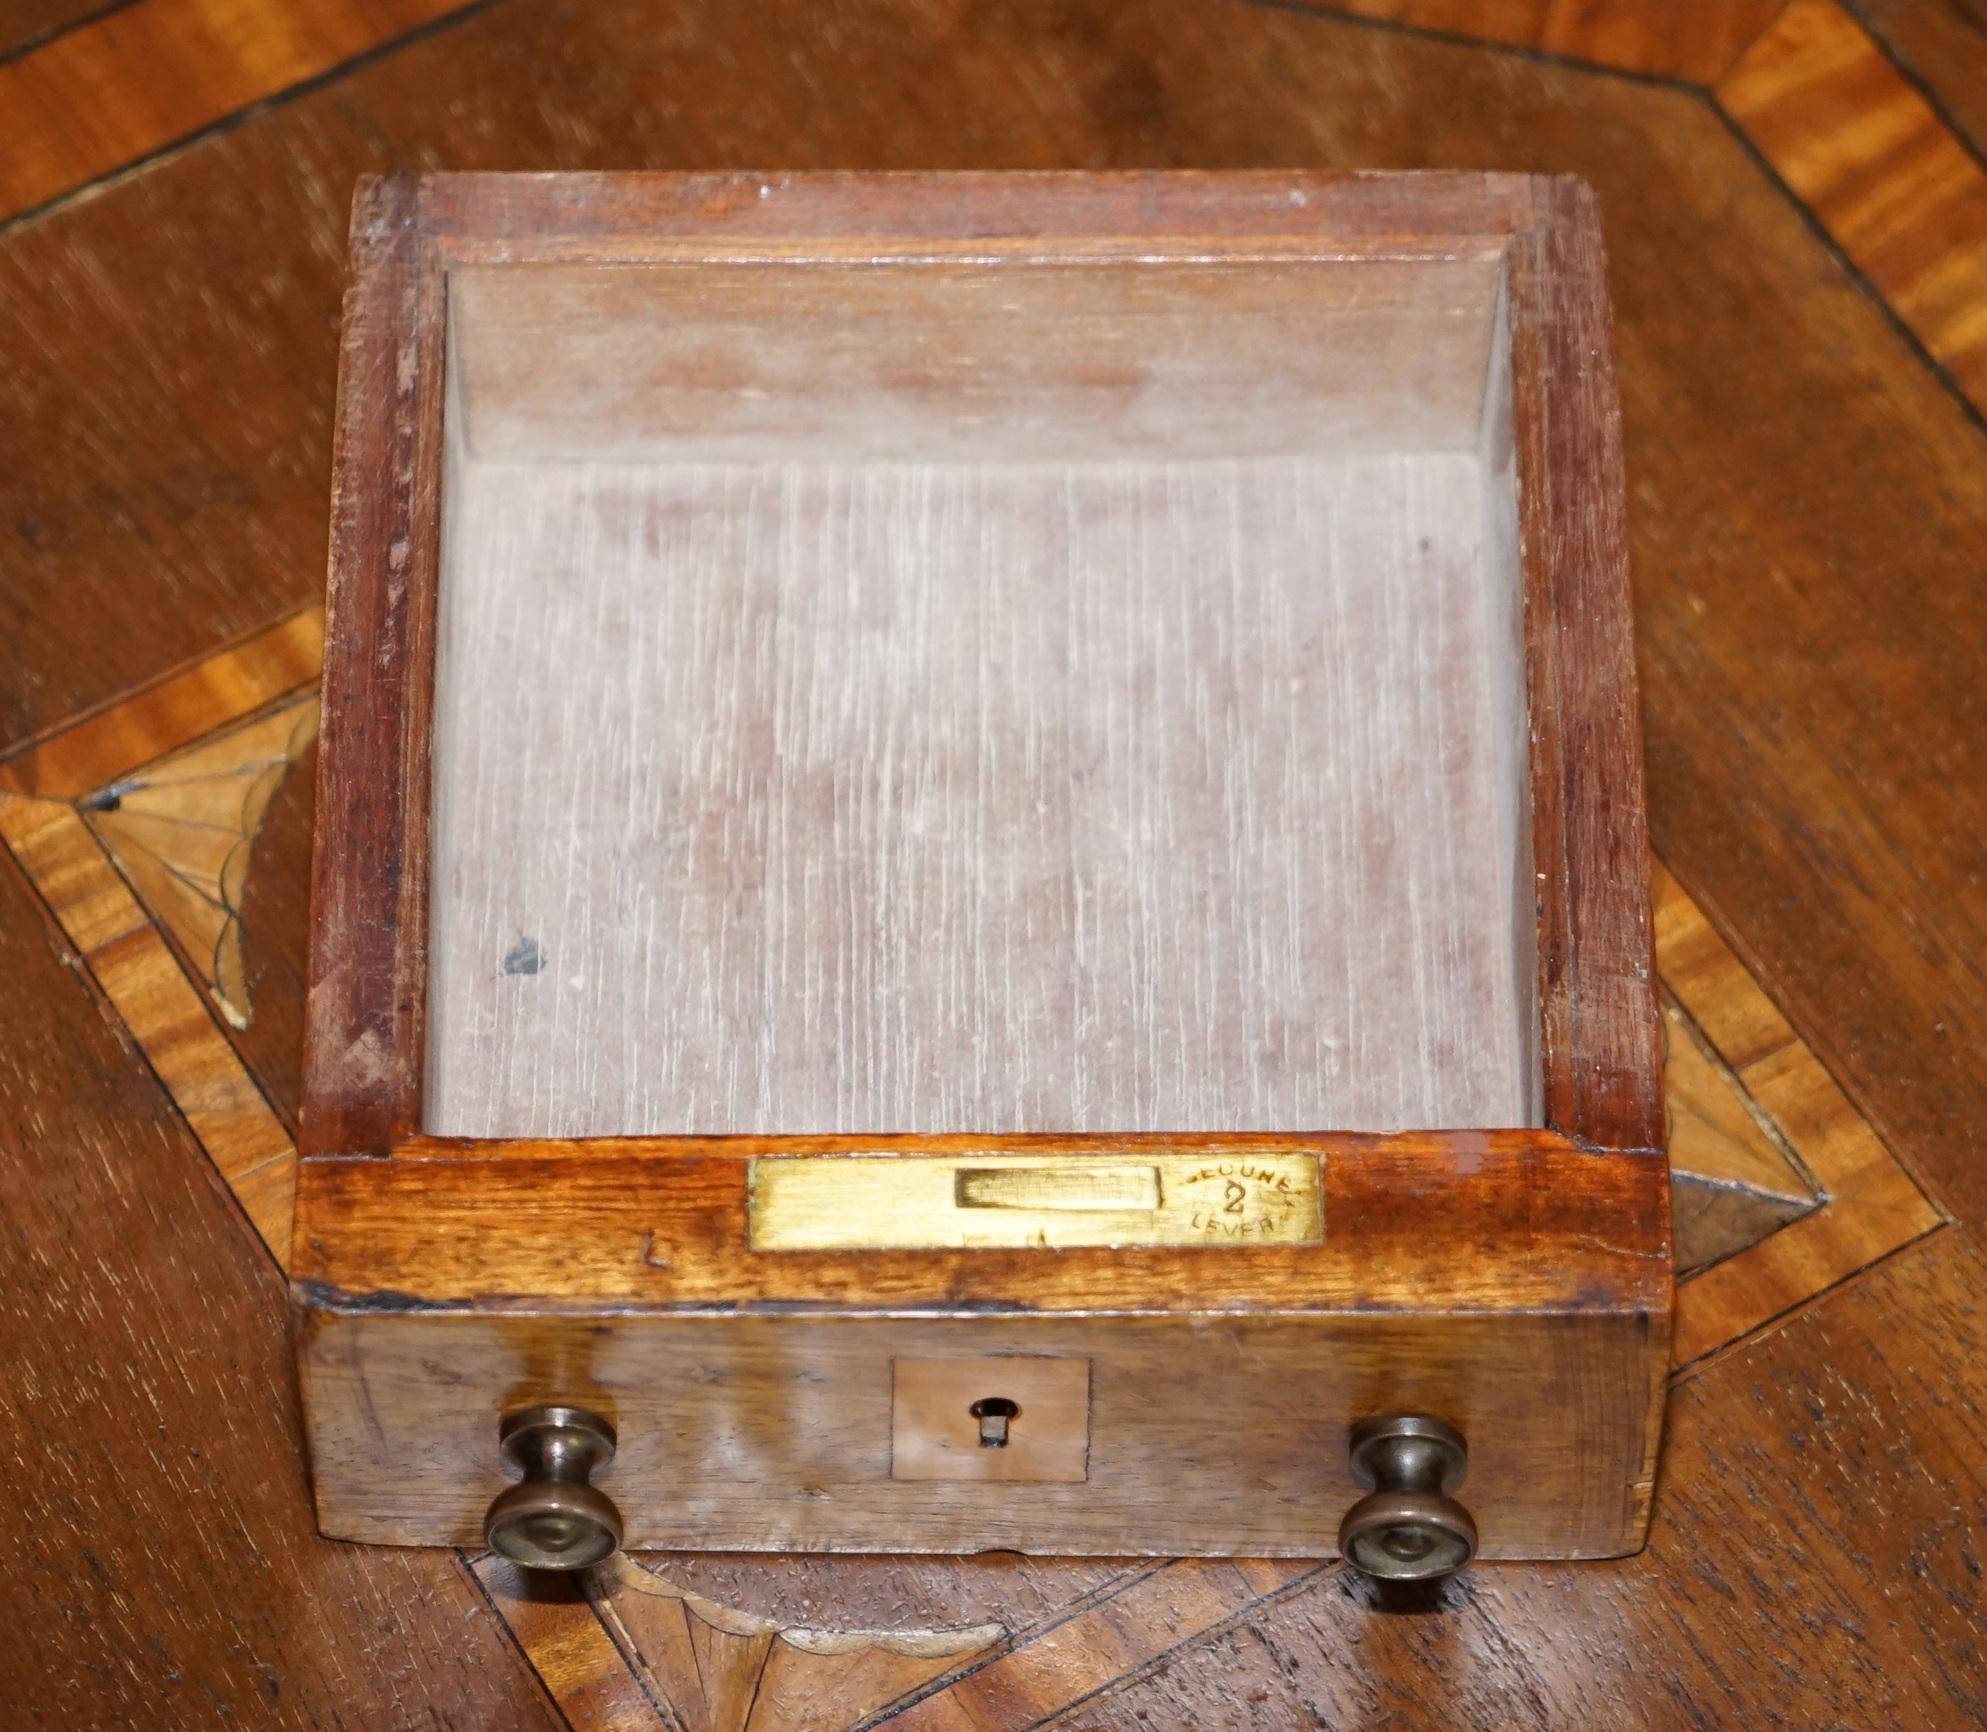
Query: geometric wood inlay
point(629, 1649)
point(1779, 1186)
point(1805, 1135)
point(197, 60)
point(196, 65)
point(1733, 1177)
point(168, 1014)
point(1876, 165)
point(724, 1669)
point(181, 831)
point(1687, 39)
point(1781, 1190)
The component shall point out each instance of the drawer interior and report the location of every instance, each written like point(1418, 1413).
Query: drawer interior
point(979, 696)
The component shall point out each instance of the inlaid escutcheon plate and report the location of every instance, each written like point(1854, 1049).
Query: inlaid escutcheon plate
point(935, 1432)
point(1052, 1200)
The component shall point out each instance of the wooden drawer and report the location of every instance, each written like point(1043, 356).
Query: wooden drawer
point(963, 805)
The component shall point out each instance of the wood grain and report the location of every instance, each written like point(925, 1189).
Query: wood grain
point(1941, 45)
point(275, 922)
point(1415, 1223)
point(1733, 1179)
point(833, 796)
point(822, 1643)
point(1735, 1176)
point(795, 1454)
point(1169, 1607)
point(574, 1653)
point(27, 23)
point(222, 61)
point(1865, 152)
point(1875, 477)
point(438, 1256)
point(1082, 358)
point(368, 928)
point(1689, 39)
point(1762, 724)
point(936, 1435)
point(200, 60)
point(1869, 1205)
point(440, 568)
point(1477, 1275)
point(182, 831)
point(145, 1340)
point(1831, 1480)
point(1599, 1038)
point(724, 1668)
point(1806, 536)
point(1596, 964)
point(164, 474)
point(173, 712)
point(139, 974)
point(1717, 1133)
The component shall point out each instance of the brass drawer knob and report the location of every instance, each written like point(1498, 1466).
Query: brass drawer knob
point(555, 1519)
point(1407, 1527)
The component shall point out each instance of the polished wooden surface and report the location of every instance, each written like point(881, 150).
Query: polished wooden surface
point(162, 1567)
point(1808, 519)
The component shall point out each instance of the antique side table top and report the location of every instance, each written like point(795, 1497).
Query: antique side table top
point(1803, 397)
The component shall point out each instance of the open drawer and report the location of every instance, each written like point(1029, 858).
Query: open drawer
point(981, 877)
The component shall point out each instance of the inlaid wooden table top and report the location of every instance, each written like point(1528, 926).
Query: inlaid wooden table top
point(1796, 208)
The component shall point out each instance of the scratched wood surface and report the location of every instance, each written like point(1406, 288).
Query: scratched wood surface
point(1808, 531)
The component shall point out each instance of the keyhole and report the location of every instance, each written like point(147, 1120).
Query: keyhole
point(993, 1412)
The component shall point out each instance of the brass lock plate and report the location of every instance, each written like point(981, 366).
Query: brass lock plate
point(1232, 1198)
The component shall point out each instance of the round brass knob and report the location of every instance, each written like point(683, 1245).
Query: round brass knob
point(555, 1519)
point(1407, 1527)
